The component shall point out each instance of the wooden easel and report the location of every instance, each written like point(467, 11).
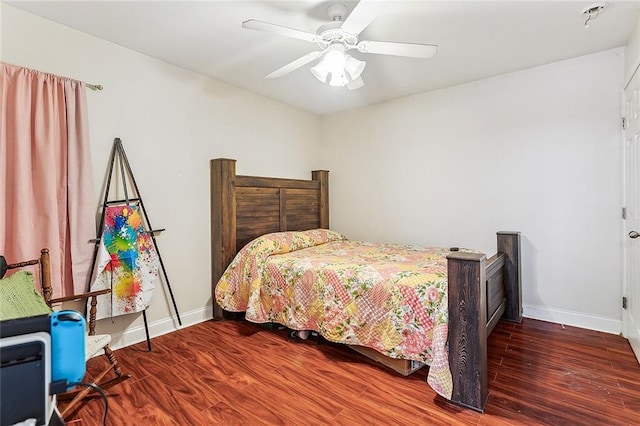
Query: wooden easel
point(125, 172)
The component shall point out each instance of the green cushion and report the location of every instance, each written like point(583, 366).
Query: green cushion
point(19, 298)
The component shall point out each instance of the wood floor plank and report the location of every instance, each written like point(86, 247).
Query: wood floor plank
point(239, 373)
point(140, 363)
point(169, 396)
point(193, 386)
point(320, 377)
point(561, 400)
point(224, 414)
point(511, 409)
point(220, 374)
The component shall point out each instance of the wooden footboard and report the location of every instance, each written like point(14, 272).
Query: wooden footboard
point(481, 290)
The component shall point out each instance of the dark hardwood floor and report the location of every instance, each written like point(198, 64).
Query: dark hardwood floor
point(238, 373)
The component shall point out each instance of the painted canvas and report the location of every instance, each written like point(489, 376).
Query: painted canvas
point(127, 263)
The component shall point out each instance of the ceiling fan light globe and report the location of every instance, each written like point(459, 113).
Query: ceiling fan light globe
point(334, 60)
point(338, 79)
point(355, 83)
point(320, 71)
point(354, 67)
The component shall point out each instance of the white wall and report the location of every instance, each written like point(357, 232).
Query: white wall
point(536, 151)
point(172, 122)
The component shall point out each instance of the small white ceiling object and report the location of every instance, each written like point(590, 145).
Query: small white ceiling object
point(476, 39)
point(592, 12)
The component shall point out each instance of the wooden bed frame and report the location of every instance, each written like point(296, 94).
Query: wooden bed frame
point(481, 290)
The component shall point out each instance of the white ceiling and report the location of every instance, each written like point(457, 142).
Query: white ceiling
point(476, 39)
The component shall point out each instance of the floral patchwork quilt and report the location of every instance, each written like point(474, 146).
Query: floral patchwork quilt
point(391, 298)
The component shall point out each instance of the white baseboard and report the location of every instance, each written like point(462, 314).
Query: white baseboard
point(575, 319)
point(158, 328)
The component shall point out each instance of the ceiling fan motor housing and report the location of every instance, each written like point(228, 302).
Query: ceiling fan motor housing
point(332, 32)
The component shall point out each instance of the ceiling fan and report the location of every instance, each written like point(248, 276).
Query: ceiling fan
point(334, 39)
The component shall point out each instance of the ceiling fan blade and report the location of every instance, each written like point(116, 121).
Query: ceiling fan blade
point(413, 50)
point(294, 65)
point(253, 24)
point(361, 16)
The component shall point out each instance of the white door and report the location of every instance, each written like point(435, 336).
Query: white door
point(631, 315)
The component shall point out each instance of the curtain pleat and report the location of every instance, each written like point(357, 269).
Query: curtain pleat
point(46, 179)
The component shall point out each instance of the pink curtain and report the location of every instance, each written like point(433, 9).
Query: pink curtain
point(46, 180)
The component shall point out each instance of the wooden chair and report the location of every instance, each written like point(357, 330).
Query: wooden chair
point(95, 343)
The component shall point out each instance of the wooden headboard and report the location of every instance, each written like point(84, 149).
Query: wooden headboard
point(246, 207)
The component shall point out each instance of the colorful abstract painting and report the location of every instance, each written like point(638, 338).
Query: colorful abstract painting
point(127, 263)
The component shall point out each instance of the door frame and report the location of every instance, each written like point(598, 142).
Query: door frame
point(627, 320)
